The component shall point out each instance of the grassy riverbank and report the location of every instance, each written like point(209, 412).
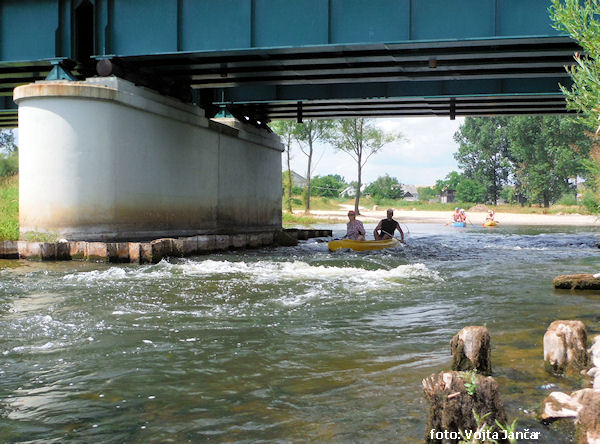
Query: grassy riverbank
point(9, 208)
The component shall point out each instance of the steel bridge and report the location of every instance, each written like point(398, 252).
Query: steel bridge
point(281, 59)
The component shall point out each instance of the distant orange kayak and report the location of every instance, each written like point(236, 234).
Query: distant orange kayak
point(489, 223)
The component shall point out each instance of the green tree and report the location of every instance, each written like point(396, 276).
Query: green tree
point(581, 20)
point(483, 153)
point(328, 186)
point(308, 134)
point(360, 139)
point(285, 129)
point(450, 182)
point(470, 190)
point(427, 193)
point(9, 156)
point(7, 141)
point(508, 194)
point(296, 190)
point(547, 152)
point(385, 187)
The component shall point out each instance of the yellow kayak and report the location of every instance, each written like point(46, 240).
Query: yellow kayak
point(490, 223)
point(362, 245)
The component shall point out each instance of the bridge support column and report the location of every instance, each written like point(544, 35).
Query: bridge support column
point(106, 160)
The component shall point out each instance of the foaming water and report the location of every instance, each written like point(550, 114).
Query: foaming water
point(260, 271)
point(286, 344)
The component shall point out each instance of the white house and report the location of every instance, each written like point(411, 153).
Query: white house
point(410, 192)
point(350, 192)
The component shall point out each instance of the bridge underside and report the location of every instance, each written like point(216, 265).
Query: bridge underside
point(449, 78)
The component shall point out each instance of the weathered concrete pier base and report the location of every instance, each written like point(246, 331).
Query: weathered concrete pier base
point(104, 160)
point(153, 251)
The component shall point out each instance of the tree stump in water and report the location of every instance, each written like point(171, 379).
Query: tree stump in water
point(577, 282)
point(588, 420)
point(455, 398)
point(565, 347)
point(471, 350)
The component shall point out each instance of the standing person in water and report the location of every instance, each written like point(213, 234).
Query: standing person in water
point(355, 230)
point(386, 227)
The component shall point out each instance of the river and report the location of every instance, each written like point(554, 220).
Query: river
point(281, 345)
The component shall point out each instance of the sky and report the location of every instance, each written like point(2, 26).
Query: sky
point(424, 157)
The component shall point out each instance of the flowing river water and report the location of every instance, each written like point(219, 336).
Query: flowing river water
point(281, 345)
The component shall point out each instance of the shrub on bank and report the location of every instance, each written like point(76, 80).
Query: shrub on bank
point(9, 164)
point(9, 208)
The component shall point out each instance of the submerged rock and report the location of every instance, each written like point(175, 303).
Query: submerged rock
point(582, 281)
point(471, 350)
point(454, 400)
point(560, 405)
point(565, 345)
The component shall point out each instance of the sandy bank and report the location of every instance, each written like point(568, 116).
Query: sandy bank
point(476, 218)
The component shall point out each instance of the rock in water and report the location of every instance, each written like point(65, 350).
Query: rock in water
point(453, 397)
point(565, 345)
point(560, 405)
point(588, 420)
point(583, 406)
point(471, 350)
point(577, 282)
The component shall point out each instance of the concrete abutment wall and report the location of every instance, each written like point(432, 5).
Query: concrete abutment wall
point(104, 160)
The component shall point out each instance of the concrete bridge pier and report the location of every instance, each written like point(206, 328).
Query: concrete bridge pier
point(104, 160)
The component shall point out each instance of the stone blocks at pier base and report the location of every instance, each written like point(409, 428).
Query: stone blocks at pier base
point(147, 252)
point(9, 249)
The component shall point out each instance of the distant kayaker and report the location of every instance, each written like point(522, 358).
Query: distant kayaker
point(386, 227)
point(456, 215)
point(462, 216)
point(490, 216)
point(355, 229)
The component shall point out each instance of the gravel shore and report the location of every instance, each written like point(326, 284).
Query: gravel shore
point(476, 218)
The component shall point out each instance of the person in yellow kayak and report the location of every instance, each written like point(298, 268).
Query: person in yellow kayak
point(386, 227)
point(355, 230)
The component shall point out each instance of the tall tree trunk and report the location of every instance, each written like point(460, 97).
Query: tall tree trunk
point(357, 200)
point(310, 154)
point(289, 168)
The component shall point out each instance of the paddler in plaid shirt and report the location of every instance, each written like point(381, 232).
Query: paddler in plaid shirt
point(355, 229)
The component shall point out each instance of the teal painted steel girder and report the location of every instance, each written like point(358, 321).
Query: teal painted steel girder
point(145, 27)
point(45, 29)
point(250, 55)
